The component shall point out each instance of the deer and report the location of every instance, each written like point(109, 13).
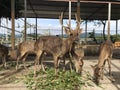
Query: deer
point(57, 46)
point(77, 54)
point(24, 49)
point(4, 54)
point(106, 51)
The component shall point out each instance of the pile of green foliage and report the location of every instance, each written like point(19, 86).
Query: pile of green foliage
point(49, 81)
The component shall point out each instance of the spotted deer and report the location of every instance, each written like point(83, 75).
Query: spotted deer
point(4, 54)
point(57, 46)
point(24, 49)
point(106, 50)
point(78, 56)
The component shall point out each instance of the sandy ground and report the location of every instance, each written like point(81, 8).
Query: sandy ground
point(8, 77)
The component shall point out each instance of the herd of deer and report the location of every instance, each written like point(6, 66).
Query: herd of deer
point(60, 48)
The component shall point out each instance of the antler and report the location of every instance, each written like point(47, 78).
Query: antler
point(78, 22)
point(60, 18)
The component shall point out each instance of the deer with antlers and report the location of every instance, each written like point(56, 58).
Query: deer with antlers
point(106, 50)
point(57, 46)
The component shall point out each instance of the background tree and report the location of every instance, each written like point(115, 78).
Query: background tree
point(104, 24)
point(92, 35)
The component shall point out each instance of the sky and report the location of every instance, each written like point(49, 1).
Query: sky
point(53, 26)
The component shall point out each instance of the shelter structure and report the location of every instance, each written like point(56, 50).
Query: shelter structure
point(87, 10)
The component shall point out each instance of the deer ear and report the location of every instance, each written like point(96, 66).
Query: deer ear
point(67, 30)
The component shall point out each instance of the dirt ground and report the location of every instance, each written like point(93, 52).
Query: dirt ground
point(9, 78)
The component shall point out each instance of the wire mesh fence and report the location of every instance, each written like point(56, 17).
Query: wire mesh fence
point(5, 32)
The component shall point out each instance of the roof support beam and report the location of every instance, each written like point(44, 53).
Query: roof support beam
point(102, 2)
point(116, 28)
point(13, 23)
point(85, 31)
point(90, 1)
point(70, 13)
point(78, 11)
point(25, 22)
point(109, 17)
point(36, 28)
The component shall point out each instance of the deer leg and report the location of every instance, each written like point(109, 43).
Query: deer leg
point(42, 57)
point(18, 59)
point(71, 64)
point(64, 64)
point(109, 66)
point(102, 70)
point(102, 73)
point(4, 61)
point(110, 74)
point(81, 66)
point(78, 65)
point(17, 62)
point(56, 64)
point(24, 61)
point(42, 66)
point(5, 64)
point(38, 55)
point(82, 63)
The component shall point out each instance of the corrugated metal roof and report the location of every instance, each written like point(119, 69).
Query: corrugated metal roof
point(89, 9)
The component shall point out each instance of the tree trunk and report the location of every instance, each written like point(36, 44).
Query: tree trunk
point(104, 24)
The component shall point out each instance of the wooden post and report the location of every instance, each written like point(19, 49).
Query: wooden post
point(12, 51)
point(109, 17)
point(86, 32)
point(25, 22)
point(62, 27)
point(70, 13)
point(36, 28)
point(78, 10)
point(13, 23)
point(116, 28)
